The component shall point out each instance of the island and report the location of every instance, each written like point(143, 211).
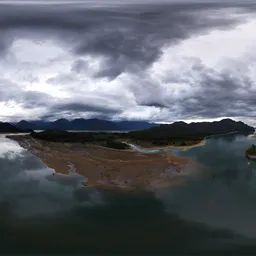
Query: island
point(251, 152)
point(110, 160)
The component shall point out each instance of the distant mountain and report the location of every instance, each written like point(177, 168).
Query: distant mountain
point(25, 125)
point(62, 124)
point(93, 124)
point(181, 131)
point(84, 124)
point(8, 128)
point(135, 125)
point(177, 128)
point(224, 126)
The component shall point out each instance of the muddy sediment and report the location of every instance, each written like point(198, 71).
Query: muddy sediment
point(126, 169)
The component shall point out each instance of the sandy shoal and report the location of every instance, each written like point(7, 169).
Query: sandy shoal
point(182, 148)
point(109, 167)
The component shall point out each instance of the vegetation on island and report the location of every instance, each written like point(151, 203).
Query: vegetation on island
point(98, 138)
point(251, 150)
point(116, 144)
point(183, 134)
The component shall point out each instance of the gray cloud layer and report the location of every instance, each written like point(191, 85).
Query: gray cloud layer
point(129, 39)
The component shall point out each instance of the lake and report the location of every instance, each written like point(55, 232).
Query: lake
point(108, 131)
point(214, 212)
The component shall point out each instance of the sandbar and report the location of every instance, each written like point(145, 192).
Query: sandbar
point(148, 146)
point(109, 168)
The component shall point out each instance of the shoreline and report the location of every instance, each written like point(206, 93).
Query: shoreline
point(182, 148)
point(250, 157)
point(222, 134)
point(126, 170)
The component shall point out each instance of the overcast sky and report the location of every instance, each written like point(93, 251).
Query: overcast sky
point(160, 61)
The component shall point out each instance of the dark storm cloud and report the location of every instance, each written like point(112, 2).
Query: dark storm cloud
point(129, 38)
point(80, 66)
point(220, 97)
point(153, 104)
point(83, 107)
point(28, 99)
point(79, 110)
point(133, 37)
point(214, 95)
point(5, 42)
point(126, 35)
point(34, 99)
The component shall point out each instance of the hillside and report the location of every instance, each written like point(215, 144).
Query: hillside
point(181, 133)
point(84, 124)
point(135, 125)
point(99, 138)
point(8, 128)
point(24, 125)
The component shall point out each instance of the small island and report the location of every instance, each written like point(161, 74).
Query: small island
point(251, 152)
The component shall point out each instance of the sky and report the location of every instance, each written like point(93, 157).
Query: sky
point(158, 61)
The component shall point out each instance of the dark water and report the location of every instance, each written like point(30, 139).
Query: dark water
point(107, 131)
point(211, 213)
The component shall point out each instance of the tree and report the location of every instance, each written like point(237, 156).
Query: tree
point(251, 150)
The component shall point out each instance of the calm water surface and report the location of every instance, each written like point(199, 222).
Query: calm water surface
point(213, 212)
point(108, 131)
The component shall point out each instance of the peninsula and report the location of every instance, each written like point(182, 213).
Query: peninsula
point(103, 162)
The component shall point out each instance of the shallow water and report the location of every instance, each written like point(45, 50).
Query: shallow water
point(213, 212)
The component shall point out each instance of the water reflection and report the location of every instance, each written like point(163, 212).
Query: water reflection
point(55, 213)
point(31, 189)
point(226, 199)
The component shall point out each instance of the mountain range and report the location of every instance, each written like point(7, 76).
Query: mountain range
point(84, 124)
point(141, 129)
point(177, 134)
point(9, 128)
point(193, 131)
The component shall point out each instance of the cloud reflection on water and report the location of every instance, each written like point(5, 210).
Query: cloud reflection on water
point(203, 213)
point(31, 188)
point(226, 198)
